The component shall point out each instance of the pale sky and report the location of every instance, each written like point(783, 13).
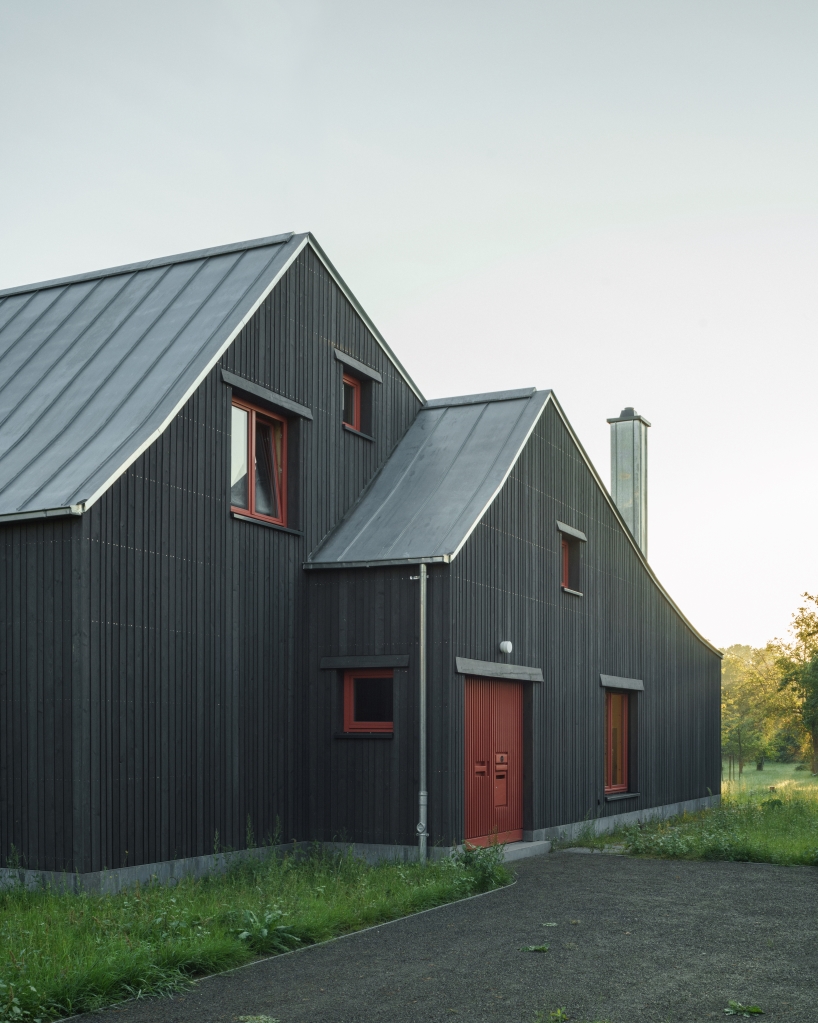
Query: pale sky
point(618, 200)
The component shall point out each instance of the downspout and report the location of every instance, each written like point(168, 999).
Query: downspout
point(423, 795)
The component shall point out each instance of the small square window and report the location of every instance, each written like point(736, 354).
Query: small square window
point(352, 402)
point(616, 741)
point(368, 701)
point(258, 460)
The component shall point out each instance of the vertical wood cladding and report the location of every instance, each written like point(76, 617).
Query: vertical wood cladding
point(160, 684)
point(38, 585)
point(363, 788)
point(506, 585)
point(154, 690)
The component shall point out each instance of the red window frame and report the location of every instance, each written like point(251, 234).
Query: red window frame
point(254, 413)
point(355, 384)
point(350, 724)
point(565, 551)
point(610, 697)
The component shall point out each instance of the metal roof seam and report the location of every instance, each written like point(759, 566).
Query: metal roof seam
point(300, 242)
point(491, 467)
point(48, 441)
point(436, 489)
point(16, 312)
point(33, 323)
point(190, 361)
point(547, 397)
point(384, 503)
point(91, 357)
point(70, 347)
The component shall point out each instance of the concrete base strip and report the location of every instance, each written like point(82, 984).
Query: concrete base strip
point(170, 872)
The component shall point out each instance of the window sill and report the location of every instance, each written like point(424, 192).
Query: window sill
point(364, 735)
point(357, 433)
point(574, 593)
point(614, 797)
point(264, 522)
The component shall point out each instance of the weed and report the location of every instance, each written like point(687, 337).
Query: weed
point(258, 1019)
point(66, 953)
point(737, 1009)
point(555, 1016)
point(778, 830)
point(484, 863)
point(534, 948)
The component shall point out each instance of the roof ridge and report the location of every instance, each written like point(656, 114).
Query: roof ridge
point(478, 399)
point(148, 264)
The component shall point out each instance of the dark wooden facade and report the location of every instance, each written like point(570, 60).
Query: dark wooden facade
point(161, 687)
point(154, 650)
point(505, 584)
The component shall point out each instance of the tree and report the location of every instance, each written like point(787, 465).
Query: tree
point(798, 664)
point(752, 704)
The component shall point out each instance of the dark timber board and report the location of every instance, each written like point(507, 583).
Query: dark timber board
point(161, 689)
point(153, 690)
point(505, 584)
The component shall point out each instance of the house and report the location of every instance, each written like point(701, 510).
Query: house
point(255, 585)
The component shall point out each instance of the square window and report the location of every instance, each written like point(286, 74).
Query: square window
point(258, 463)
point(352, 402)
point(368, 701)
point(616, 741)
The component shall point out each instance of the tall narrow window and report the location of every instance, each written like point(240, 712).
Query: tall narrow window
point(258, 478)
point(616, 741)
point(352, 402)
point(565, 550)
point(368, 701)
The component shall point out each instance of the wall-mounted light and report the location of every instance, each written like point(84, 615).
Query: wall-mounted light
point(505, 646)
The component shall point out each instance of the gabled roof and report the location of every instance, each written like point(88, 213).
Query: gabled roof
point(441, 479)
point(438, 482)
point(95, 366)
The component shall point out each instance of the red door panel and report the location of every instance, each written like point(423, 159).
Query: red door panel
point(494, 761)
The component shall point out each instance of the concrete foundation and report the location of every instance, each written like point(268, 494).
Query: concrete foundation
point(535, 843)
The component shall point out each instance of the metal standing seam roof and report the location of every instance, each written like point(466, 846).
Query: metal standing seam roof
point(95, 366)
point(438, 482)
point(441, 479)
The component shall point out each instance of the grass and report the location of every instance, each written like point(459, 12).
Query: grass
point(66, 953)
point(785, 778)
point(751, 823)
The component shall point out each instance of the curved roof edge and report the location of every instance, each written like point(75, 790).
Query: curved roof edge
point(627, 531)
point(544, 397)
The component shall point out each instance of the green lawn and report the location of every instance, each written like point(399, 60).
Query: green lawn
point(751, 823)
point(753, 783)
point(64, 953)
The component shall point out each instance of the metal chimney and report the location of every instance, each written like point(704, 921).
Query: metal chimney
point(629, 472)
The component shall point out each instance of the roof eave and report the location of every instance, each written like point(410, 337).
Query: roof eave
point(438, 559)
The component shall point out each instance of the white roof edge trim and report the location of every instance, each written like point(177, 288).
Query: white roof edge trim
point(627, 531)
point(488, 504)
point(44, 513)
point(359, 309)
point(434, 559)
point(303, 242)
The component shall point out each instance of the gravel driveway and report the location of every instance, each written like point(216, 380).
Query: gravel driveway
point(634, 940)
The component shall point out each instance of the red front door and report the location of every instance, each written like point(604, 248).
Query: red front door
point(494, 761)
